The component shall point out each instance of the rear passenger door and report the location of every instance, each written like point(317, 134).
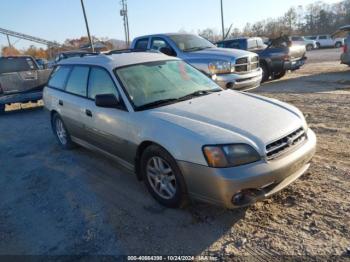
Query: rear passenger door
point(73, 101)
point(107, 128)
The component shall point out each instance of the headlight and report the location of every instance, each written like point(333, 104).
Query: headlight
point(230, 155)
point(219, 67)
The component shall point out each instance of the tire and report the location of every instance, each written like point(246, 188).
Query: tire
point(61, 133)
point(318, 45)
point(266, 72)
point(338, 44)
point(309, 47)
point(2, 108)
point(279, 75)
point(167, 187)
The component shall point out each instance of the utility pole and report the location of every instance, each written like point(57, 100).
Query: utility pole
point(87, 27)
point(124, 14)
point(8, 40)
point(222, 21)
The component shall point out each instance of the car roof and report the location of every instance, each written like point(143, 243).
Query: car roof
point(117, 60)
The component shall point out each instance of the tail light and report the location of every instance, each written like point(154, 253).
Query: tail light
point(1, 90)
point(345, 48)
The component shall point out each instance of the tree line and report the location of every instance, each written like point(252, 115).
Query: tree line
point(314, 19)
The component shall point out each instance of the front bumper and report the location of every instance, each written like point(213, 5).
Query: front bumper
point(21, 97)
point(219, 185)
point(295, 64)
point(239, 81)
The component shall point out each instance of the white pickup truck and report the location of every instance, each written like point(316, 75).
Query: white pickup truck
point(327, 41)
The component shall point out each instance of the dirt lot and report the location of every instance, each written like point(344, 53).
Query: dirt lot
point(78, 202)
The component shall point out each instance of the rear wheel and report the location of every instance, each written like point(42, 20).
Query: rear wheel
point(61, 133)
point(265, 73)
point(280, 74)
point(163, 177)
point(2, 108)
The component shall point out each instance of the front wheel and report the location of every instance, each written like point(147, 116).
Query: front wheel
point(280, 74)
point(163, 177)
point(265, 73)
point(338, 44)
point(309, 47)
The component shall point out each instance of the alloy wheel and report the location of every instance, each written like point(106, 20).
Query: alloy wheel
point(161, 177)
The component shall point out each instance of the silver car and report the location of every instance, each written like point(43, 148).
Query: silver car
point(182, 134)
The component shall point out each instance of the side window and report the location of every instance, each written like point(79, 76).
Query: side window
point(234, 44)
point(59, 77)
point(251, 44)
point(141, 43)
point(323, 37)
point(100, 83)
point(158, 43)
point(77, 81)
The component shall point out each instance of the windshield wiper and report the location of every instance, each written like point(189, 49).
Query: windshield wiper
point(156, 103)
point(199, 93)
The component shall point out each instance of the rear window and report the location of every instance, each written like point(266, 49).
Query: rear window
point(59, 77)
point(16, 64)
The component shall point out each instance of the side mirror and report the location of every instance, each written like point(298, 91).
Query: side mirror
point(167, 51)
point(107, 100)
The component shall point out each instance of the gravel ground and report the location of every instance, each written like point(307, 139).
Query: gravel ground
point(57, 202)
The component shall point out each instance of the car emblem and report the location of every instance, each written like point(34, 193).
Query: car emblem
point(289, 141)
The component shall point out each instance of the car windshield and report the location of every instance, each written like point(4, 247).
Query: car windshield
point(158, 83)
point(188, 43)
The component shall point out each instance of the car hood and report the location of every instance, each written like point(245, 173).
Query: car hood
point(228, 54)
point(228, 116)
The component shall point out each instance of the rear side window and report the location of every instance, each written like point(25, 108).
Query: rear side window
point(100, 83)
point(16, 64)
point(252, 44)
point(141, 43)
point(77, 81)
point(59, 77)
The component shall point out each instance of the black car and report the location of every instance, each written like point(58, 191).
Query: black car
point(275, 59)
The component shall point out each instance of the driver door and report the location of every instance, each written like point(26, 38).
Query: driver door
point(107, 128)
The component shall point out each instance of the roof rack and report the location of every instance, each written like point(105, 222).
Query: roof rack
point(130, 50)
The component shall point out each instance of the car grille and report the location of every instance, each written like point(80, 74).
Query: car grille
point(285, 144)
point(246, 64)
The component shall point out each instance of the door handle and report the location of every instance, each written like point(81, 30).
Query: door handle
point(88, 113)
point(60, 102)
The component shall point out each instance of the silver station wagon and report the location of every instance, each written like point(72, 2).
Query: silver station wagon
point(182, 134)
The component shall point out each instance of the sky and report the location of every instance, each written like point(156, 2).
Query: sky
point(57, 20)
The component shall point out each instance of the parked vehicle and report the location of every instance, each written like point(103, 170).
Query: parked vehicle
point(21, 80)
point(42, 63)
point(177, 129)
point(235, 69)
point(275, 61)
point(344, 31)
point(327, 41)
point(308, 43)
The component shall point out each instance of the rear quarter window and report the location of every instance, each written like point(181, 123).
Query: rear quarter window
point(77, 82)
point(58, 77)
point(141, 43)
